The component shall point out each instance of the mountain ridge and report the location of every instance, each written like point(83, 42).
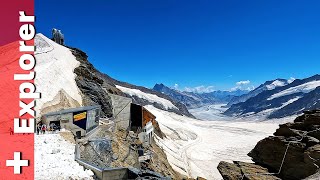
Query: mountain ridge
point(287, 100)
point(195, 100)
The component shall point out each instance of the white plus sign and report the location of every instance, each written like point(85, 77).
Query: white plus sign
point(17, 163)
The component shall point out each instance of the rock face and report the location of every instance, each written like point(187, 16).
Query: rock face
point(91, 85)
point(292, 153)
point(242, 170)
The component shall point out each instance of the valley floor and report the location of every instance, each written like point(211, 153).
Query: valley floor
point(195, 147)
point(210, 112)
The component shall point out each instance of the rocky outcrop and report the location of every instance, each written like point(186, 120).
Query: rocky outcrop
point(61, 101)
point(292, 153)
point(242, 170)
point(91, 85)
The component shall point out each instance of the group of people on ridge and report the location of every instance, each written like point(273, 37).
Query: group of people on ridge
point(43, 128)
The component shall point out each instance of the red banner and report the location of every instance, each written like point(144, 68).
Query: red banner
point(16, 149)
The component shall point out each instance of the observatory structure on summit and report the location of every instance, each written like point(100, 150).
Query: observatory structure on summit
point(57, 36)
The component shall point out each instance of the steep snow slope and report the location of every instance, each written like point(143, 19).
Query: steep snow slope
point(305, 88)
point(195, 147)
point(149, 97)
point(309, 101)
point(54, 74)
point(178, 108)
point(54, 159)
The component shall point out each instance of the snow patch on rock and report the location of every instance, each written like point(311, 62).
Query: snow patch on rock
point(275, 84)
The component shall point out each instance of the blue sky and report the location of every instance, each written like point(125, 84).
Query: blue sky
point(211, 44)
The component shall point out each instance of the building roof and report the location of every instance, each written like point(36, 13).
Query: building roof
point(71, 110)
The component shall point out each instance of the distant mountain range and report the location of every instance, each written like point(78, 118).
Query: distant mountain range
point(269, 85)
point(273, 99)
point(283, 100)
point(194, 100)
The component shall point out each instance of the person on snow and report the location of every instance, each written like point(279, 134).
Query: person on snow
point(43, 128)
point(38, 129)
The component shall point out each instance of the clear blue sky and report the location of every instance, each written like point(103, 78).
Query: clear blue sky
point(191, 43)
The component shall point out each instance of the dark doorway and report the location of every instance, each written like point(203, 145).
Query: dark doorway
point(136, 117)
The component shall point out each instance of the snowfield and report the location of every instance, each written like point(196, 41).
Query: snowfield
point(55, 65)
point(195, 147)
point(54, 159)
point(149, 97)
point(275, 84)
point(305, 88)
point(210, 112)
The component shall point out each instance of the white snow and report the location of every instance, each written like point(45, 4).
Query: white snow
point(290, 101)
point(149, 97)
point(210, 112)
point(275, 84)
point(263, 115)
point(54, 159)
point(54, 71)
point(305, 88)
point(195, 147)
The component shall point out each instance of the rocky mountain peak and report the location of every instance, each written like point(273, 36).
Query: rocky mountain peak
point(161, 87)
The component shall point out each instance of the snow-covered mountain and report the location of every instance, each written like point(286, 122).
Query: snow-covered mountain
point(282, 101)
point(269, 85)
point(195, 100)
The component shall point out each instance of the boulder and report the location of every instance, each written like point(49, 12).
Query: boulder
point(310, 141)
point(315, 134)
point(312, 154)
point(286, 131)
point(243, 170)
point(271, 151)
point(229, 171)
point(312, 119)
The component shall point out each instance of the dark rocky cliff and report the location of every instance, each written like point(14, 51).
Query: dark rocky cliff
point(91, 85)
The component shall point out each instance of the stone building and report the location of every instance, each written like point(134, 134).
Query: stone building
point(81, 120)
